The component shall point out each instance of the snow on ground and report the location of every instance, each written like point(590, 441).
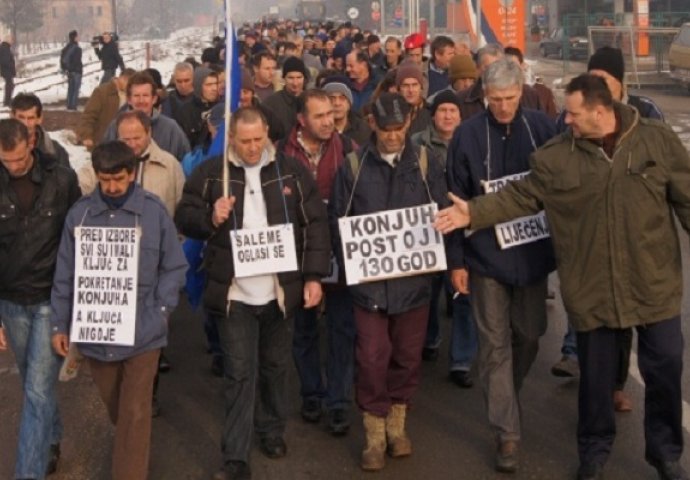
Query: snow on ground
point(166, 55)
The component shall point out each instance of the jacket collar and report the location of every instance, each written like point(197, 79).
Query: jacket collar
point(235, 160)
point(629, 117)
point(134, 204)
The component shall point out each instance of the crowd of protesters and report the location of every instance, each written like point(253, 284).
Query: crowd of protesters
point(337, 122)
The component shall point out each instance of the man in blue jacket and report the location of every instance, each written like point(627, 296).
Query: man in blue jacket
point(504, 269)
point(122, 372)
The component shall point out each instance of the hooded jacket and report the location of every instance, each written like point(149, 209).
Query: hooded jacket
point(190, 113)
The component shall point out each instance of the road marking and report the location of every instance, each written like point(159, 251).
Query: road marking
point(635, 372)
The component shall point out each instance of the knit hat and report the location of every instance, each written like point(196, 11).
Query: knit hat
point(408, 70)
point(339, 87)
point(462, 66)
point(200, 74)
point(444, 96)
point(390, 109)
point(247, 80)
point(610, 60)
point(295, 64)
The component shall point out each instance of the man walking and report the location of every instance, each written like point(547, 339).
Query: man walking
point(35, 194)
point(8, 69)
point(109, 55)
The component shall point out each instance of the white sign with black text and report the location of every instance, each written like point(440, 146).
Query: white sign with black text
point(390, 244)
point(263, 251)
point(105, 285)
point(520, 230)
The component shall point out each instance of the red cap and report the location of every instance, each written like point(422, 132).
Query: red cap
point(414, 40)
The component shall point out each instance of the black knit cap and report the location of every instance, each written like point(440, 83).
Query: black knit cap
point(444, 96)
point(294, 64)
point(610, 60)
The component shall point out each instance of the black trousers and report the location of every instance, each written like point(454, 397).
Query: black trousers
point(660, 360)
point(9, 89)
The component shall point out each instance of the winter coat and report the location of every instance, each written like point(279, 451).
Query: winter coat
point(8, 69)
point(612, 220)
point(191, 121)
point(29, 244)
point(283, 109)
point(361, 94)
point(100, 110)
point(109, 55)
point(173, 103)
point(285, 184)
point(381, 187)
point(71, 55)
point(472, 161)
point(48, 146)
point(430, 139)
point(160, 275)
point(357, 128)
point(161, 175)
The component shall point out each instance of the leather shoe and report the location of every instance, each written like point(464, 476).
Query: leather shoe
point(53, 459)
point(429, 354)
point(590, 471)
point(311, 410)
point(234, 470)
point(507, 456)
point(273, 447)
point(338, 423)
point(669, 470)
point(163, 364)
point(461, 378)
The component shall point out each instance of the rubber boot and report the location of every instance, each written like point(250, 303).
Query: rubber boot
point(399, 444)
point(374, 452)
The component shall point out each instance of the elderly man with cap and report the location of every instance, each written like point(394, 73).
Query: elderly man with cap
point(607, 63)
point(504, 276)
point(363, 79)
point(390, 315)
point(347, 121)
point(462, 74)
point(205, 97)
point(410, 83)
point(445, 112)
point(284, 104)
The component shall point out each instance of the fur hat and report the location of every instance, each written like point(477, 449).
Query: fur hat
point(390, 109)
point(610, 60)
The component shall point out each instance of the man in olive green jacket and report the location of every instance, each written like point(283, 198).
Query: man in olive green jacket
point(609, 186)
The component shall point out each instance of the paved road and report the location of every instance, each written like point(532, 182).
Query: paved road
point(448, 426)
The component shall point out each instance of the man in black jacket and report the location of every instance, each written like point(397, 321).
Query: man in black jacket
point(110, 57)
point(205, 97)
point(70, 63)
point(284, 104)
point(35, 194)
point(8, 70)
point(267, 192)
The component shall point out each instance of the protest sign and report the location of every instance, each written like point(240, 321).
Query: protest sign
point(521, 230)
point(263, 251)
point(105, 285)
point(390, 244)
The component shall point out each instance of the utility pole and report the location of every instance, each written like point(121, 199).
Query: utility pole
point(113, 4)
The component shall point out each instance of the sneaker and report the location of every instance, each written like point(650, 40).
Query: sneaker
point(234, 470)
point(311, 410)
point(338, 422)
point(163, 364)
point(53, 459)
point(566, 367)
point(273, 447)
point(669, 470)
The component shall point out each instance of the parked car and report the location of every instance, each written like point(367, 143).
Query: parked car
point(557, 43)
point(679, 56)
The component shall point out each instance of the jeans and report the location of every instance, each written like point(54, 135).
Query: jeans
point(463, 336)
point(73, 86)
point(255, 340)
point(340, 361)
point(29, 334)
point(569, 347)
point(108, 74)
